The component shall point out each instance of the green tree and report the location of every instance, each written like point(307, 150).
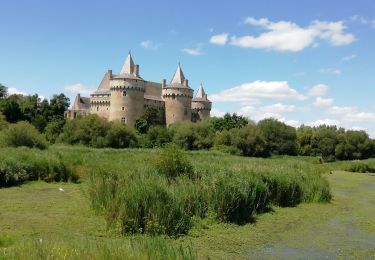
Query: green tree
point(54, 129)
point(150, 117)
point(59, 104)
point(228, 122)
point(121, 136)
point(251, 141)
point(89, 130)
point(23, 134)
point(157, 136)
point(10, 108)
point(3, 91)
point(281, 138)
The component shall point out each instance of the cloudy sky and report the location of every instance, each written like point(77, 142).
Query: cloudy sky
point(310, 62)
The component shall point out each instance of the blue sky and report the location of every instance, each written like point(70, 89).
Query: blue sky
point(308, 62)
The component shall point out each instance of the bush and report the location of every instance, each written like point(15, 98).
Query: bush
point(157, 136)
point(172, 162)
point(18, 165)
point(22, 134)
point(360, 167)
point(3, 122)
point(121, 136)
point(54, 129)
point(193, 136)
point(89, 130)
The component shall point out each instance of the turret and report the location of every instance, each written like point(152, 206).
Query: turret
point(177, 97)
point(200, 105)
point(127, 93)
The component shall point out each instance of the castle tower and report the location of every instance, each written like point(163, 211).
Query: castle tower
point(200, 105)
point(127, 93)
point(177, 97)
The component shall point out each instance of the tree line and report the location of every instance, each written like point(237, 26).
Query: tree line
point(231, 133)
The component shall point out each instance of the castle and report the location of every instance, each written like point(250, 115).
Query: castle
point(125, 96)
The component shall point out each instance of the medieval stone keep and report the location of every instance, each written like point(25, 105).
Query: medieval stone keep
point(125, 96)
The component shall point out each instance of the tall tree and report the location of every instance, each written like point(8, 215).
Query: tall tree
point(3, 91)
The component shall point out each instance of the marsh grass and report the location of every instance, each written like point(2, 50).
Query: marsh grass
point(18, 165)
point(139, 197)
point(134, 248)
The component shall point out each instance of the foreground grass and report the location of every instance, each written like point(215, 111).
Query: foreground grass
point(37, 220)
point(344, 228)
point(55, 221)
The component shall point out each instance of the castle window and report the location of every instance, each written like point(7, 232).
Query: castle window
point(123, 108)
point(97, 108)
point(185, 112)
point(123, 120)
point(124, 93)
point(173, 96)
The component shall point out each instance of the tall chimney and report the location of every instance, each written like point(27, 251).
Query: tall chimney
point(110, 73)
point(186, 83)
point(164, 83)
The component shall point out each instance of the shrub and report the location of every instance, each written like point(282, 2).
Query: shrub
point(360, 167)
point(18, 165)
point(172, 162)
point(3, 122)
point(121, 136)
point(158, 136)
point(89, 130)
point(193, 136)
point(22, 134)
point(54, 129)
point(280, 138)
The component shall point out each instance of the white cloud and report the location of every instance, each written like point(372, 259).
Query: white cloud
point(358, 128)
point(318, 90)
point(278, 108)
point(193, 51)
point(78, 89)
point(351, 114)
point(321, 102)
point(325, 122)
point(257, 115)
point(216, 112)
point(293, 123)
point(335, 110)
point(348, 58)
point(288, 36)
point(148, 44)
point(331, 71)
point(358, 18)
point(219, 39)
point(15, 91)
point(252, 92)
point(360, 117)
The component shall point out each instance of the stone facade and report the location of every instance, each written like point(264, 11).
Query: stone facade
point(125, 96)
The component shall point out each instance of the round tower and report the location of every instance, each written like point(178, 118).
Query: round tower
point(127, 94)
point(200, 105)
point(177, 97)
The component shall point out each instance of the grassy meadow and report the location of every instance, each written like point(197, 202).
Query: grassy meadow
point(126, 204)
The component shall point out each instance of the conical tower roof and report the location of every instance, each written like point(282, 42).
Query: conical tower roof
point(178, 79)
point(201, 94)
point(128, 67)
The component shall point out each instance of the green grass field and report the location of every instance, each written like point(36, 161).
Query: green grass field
point(38, 220)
